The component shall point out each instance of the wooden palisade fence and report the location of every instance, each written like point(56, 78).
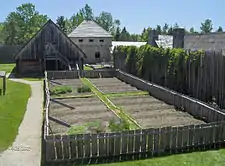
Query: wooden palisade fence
point(138, 143)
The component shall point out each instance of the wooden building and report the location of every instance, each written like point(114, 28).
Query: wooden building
point(49, 49)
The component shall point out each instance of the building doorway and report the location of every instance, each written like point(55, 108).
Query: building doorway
point(97, 55)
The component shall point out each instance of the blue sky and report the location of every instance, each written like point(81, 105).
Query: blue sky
point(134, 14)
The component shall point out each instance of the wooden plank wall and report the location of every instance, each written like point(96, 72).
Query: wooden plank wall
point(136, 143)
point(82, 73)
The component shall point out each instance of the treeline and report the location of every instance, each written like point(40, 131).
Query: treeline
point(20, 25)
point(196, 74)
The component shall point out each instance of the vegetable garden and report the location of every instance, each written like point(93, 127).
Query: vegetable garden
point(111, 101)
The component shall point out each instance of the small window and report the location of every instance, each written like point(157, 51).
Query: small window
point(101, 40)
point(91, 40)
point(97, 55)
point(80, 40)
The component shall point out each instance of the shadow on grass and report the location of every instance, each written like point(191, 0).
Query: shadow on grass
point(135, 157)
point(29, 77)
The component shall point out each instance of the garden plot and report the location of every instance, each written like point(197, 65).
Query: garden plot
point(78, 111)
point(150, 112)
point(73, 83)
point(112, 85)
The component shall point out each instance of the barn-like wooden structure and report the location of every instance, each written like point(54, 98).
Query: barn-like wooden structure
point(49, 49)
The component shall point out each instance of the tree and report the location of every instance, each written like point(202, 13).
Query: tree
point(159, 29)
point(117, 34)
point(220, 29)
point(1, 33)
point(165, 29)
point(61, 22)
point(21, 25)
point(170, 31)
point(87, 12)
point(124, 35)
point(206, 26)
point(105, 20)
point(145, 34)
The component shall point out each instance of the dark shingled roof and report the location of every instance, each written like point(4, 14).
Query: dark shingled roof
point(89, 29)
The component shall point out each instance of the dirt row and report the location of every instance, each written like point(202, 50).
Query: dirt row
point(112, 85)
point(78, 111)
point(153, 113)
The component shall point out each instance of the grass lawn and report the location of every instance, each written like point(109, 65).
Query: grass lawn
point(7, 67)
point(208, 158)
point(12, 109)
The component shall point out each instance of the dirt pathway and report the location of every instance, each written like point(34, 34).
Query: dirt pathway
point(26, 149)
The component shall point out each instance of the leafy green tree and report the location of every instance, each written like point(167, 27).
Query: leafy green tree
point(87, 12)
point(170, 31)
point(2, 36)
point(105, 20)
point(117, 34)
point(145, 34)
point(159, 29)
point(206, 26)
point(124, 35)
point(61, 22)
point(22, 24)
point(220, 29)
point(165, 29)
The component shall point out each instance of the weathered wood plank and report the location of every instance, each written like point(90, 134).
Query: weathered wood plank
point(117, 143)
point(94, 147)
point(131, 142)
point(173, 139)
point(58, 145)
point(124, 144)
point(66, 147)
point(87, 145)
point(102, 144)
point(73, 146)
point(80, 147)
point(111, 144)
point(50, 149)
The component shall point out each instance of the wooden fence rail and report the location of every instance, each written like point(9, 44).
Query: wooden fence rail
point(82, 73)
point(148, 142)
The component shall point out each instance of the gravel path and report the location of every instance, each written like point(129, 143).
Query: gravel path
point(26, 149)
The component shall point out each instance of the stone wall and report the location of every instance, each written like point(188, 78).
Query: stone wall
point(101, 45)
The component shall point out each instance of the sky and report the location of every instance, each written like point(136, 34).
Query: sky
point(133, 14)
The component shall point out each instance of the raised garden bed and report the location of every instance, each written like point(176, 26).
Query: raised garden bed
point(153, 113)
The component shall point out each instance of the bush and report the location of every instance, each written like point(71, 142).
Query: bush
point(60, 90)
point(83, 89)
point(116, 125)
point(91, 127)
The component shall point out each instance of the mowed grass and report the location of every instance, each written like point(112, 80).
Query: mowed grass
point(7, 67)
point(208, 158)
point(12, 109)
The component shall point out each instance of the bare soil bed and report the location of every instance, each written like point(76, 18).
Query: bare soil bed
point(73, 83)
point(153, 113)
point(78, 111)
point(112, 85)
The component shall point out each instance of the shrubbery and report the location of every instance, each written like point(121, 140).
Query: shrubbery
point(57, 90)
point(83, 89)
point(166, 67)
